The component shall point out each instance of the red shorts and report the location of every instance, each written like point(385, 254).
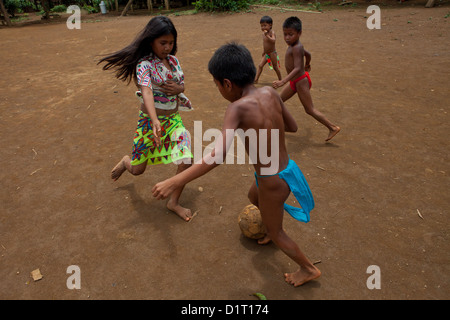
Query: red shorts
point(292, 83)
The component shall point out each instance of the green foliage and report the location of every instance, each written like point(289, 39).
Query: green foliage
point(271, 2)
point(221, 5)
point(316, 6)
point(94, 6)
point(59, 8)
point(90, 9)
point(18, 6)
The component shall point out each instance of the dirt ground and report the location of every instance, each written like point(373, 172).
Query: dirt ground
point(65, 123)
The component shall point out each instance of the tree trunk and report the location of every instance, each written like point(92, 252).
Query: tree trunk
point(167, 4)
point(124, 12)
point(5, 14)
point(150, 5)
point(46, 7)
point(430, 4)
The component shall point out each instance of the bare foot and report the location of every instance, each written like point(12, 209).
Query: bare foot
point(183, 213)
point(302, 276)
point(118, 170)
point(332, 133)
point(264, 240)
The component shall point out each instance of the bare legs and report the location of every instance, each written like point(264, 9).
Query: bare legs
point(272, 212)
point(124, 165)
point(305, 98)
point(253, 197)
point(172, 204)
point(274, 58)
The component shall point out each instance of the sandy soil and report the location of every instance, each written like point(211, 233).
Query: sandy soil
point(65, 123)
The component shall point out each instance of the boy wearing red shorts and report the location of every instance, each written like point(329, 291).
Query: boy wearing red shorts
point(297, 61)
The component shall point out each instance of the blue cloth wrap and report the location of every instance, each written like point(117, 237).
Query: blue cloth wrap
point(300, 188)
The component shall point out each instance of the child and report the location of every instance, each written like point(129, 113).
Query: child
point(262, 110)
point(270, 53)
point(298, 76)
point(150, 61)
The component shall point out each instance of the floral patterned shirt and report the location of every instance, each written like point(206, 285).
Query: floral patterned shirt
point(151, 72)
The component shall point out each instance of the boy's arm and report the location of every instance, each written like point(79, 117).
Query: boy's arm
point(270, 36)
point(231, 121)
point(290, 125)
point(297, 53)
point(307, 60)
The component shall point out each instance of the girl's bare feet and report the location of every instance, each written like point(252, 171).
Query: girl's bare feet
point(302, 276)
point(183, 213)
point(333, 132)
point(118, 169)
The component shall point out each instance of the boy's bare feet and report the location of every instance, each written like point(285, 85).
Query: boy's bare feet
point(118, 170)
point(264, 240)
point(183, 213)
point(302, 276)
point(332, 133)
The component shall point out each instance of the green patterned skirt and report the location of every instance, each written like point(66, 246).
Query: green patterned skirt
point(175, 141)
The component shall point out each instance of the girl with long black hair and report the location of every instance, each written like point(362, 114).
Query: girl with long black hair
point(160, 135)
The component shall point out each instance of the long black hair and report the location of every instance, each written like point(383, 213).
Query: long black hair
point(124, 61)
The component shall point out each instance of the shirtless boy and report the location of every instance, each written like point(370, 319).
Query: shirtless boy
point(270, 53)
point(262, 110)
point(297, 62)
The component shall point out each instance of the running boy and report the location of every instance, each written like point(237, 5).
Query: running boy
point(270, 53)
point(261, 110)
point(297, 62)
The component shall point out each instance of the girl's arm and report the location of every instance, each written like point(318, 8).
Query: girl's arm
point(231, 121)
point(171, 88)
point(149, 106)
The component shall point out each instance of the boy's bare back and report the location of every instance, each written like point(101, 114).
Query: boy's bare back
point(261, 108)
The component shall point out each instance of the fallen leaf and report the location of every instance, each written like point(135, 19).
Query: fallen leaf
point(35, 171)
point(420, 215)
point(260, 296)
point(36, 275)
point(193, 216)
